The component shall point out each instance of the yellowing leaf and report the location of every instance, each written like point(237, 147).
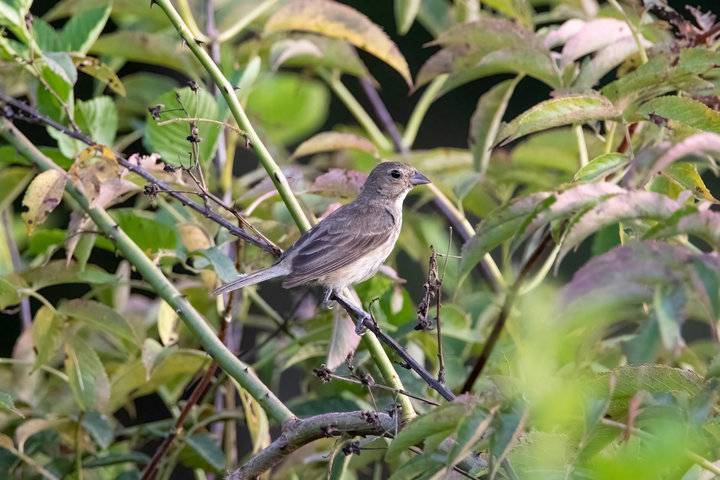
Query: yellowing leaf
point(97, 174)
point(167, 319)
point(42, 196)
point(338, 20)
point(100, 71)
point(193, 237)
point(326, 141)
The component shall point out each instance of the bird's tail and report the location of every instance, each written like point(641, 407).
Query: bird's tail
point(276, 270)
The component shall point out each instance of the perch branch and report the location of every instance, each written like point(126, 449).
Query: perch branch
point(164, 288)
point(413, 364)
point(301, 432)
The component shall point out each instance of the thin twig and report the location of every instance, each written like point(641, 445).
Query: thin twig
point(25, 313)
point(198, 119)
point(504, 314)
point(370, 324)
point(33, 116)
point(384, 387)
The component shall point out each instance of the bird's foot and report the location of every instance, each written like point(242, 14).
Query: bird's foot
point(326, 302)
point(360, 329)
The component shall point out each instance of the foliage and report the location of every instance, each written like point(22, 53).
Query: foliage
point(594, 329)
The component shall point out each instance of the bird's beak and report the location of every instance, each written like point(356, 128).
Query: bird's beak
point(419, 179)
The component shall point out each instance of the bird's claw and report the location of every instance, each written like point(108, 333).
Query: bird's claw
point(360, 329)
point(328, 304)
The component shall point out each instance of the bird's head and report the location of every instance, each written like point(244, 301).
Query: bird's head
point(392, 180)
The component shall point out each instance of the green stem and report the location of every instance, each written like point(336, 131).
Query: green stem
point(245, 21)
point(187, 16)
point(228, 92)
point(333, 80)
point(582, 147)
point(635, 33)
point(15, 361)
point(421, 109)
point(610, 139)
point(166, 290)
point(274, 171)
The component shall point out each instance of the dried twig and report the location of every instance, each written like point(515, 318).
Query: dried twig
point(32, 115)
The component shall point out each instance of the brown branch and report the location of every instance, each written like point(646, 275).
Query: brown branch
point(298, 433)
point(33, 116)
point(366, 320)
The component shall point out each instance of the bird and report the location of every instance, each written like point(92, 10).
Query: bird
point(351, 243)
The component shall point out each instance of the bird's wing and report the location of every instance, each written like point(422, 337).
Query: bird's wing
point(345, 236)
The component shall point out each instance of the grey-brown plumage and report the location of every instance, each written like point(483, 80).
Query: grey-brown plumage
point(351, 244)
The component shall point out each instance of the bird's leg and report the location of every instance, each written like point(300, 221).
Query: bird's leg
point(359, 313)
point(326, 302)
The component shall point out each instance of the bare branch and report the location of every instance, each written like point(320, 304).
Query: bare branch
point(297, 433)
point(33, 116)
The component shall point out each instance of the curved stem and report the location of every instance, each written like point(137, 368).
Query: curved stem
point(421, 109)
point(228, 92)
point(166, 290)
point(240, 25)
point(333, 80)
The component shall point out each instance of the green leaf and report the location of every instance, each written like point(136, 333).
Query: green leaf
point(287, 107)
point(145, 230)
point(668, 311)
point(687, 176)
point(664, 73)
point(337, 20)
point(221, 263)
point(602, 166)
point(86, 374)
point(486, 120)
point(57, 272)
point(503, 224)
point(47, 334)
point(9, 294)
point(7, 403)
point(42, 196)
point(405, 13)
point(100, 427)
point(328, 141)
point(12, 182)
point(556, 112)
point(172, 369)
point(170, 140)
point(703, 224)
point(202, 452)
point(418, 467)
point(683, 110)
point(46, 37)
point(444, 419)
point(133, 458)
point(620, 208)
point(100, 317)
point(650, 378)
point(153, 48)
point(81, 31)
point(62, 65)
point(517, 9)
point(54, 87)
point(96, 117)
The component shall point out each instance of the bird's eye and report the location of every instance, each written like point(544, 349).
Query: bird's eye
point(395, 174)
